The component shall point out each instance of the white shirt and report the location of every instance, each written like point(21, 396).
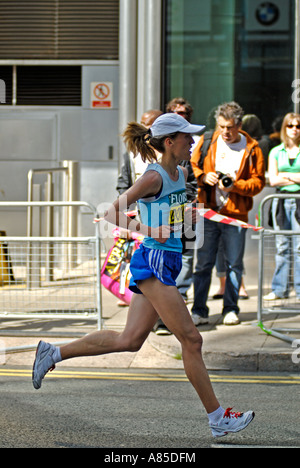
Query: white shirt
point(229, 156)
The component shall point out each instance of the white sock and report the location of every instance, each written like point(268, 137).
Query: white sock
point(56, 355)
point(216, 415)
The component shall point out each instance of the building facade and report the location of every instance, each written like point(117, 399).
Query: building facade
point(73, 73)
point(243, 50)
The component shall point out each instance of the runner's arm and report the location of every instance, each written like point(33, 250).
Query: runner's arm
point(147, 185)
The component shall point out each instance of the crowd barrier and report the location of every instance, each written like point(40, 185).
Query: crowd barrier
point(51, 277)
point(279, 317)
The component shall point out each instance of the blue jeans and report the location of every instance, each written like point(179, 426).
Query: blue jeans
point(287, 247)
point(185, 277)
point(233, 239)
point(220, 262)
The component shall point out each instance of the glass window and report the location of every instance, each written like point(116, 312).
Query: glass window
point(242, 50)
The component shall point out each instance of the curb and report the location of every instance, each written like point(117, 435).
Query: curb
point(224, 360)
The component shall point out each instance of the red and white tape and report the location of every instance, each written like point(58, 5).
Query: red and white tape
point(217, 218)
point(208, 214)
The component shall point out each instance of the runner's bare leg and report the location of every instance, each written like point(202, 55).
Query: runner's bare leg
point(142, 316)
point(170, 306)
point(141, 319)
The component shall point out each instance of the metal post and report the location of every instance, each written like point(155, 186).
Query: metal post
point(14, 85)
point(128, 64)
point(141, 60)
point(72, 195)
point(297, 53)
point(149, 56)
point(49, 228)
point(71, 190)
point(30, 175)
point(260, 275)
point(153, 51)
point(99, 290)
point(34, 253)
point(29, 191)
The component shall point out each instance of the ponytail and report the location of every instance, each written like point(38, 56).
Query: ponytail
point(137, 139)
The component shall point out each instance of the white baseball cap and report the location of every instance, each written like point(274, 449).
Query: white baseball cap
point(172, 123)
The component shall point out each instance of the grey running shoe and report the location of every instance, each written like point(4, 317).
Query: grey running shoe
point(43, 363)
point(198, 320)
point(231, 422)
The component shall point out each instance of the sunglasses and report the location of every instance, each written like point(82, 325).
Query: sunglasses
point(182, 113)
point(292, 126)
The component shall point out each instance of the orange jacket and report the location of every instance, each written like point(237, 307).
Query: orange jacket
point(250, 179)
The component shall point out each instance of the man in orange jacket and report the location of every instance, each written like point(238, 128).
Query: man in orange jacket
point(229, 176)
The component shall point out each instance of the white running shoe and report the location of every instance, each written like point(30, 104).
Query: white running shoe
point(231, 422)
point(231, 318)
point(43, 363)
point(271, 297)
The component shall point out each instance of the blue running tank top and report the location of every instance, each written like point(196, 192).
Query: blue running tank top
point(166, 208)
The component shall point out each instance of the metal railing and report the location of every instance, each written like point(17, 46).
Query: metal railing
point(69, 171)
point(72, 290)
point(283, 313)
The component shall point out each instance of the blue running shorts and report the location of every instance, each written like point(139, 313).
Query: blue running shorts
point(165, 265)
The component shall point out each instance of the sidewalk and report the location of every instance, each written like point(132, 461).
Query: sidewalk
point(242, 348)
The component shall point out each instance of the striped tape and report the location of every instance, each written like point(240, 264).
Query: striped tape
point(212, 216)
point(218, 218)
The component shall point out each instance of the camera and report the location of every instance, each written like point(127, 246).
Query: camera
point(227, 181)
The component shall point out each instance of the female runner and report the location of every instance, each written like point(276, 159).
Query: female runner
point(160, 194)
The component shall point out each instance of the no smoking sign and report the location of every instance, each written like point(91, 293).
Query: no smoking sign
point(101, 95)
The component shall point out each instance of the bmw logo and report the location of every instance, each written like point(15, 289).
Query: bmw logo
point(267, 13)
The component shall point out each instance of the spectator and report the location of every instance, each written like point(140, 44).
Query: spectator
point(184, 281)
point(181, 107)
point(274, 137)
point(284, 174)
point(232, 152)
point(251, 124)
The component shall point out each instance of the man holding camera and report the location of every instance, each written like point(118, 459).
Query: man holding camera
point(229, 174)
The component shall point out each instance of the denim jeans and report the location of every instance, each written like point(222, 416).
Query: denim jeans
point(220, 262)
point(185, 277)
point(233, 239)
point(287, 248)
